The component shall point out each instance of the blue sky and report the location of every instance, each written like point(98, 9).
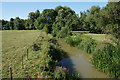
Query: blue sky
point(22, 9)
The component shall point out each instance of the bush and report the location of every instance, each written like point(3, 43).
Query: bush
point(84, 43)
point(69, 40)
point(45, 29)
point(61, 73)
point(108, 59)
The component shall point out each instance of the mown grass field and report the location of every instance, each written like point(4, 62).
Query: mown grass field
point(14, 45)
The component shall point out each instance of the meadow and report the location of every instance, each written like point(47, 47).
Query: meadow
point(100, 37)
point(14, 45)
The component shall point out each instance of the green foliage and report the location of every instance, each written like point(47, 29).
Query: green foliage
point(37, 14)
point(60, 73)
point(107, 60)
point(88, 19)
point(69, 41)
point(11, 24)
point(18, 24)
point(84, 43)
point(4, 24)
point(105, 20)
point(46, 28)
point(65, 20)
point(63, 33)
point(32, 17)
point(50, 15)
point(49, 54)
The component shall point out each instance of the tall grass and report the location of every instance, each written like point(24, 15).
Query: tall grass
point(108, 60)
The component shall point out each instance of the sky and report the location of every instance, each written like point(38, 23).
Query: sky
point(22, 9)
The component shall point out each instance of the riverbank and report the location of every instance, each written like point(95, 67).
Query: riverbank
point(78, 61)
point(105, 56)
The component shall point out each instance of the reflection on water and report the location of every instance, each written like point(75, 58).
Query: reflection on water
point(78, 62)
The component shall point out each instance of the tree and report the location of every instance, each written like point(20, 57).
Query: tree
point(49, 16)
point(37, 23)
point(63, 32)
point(11, 24)
point(112, 14)
point(31, 20)
point(27, 24)
point(37, 14)
point(5, 25)
point(65, 17)
point(18, 25)
point(82, 22)
point(90, 18)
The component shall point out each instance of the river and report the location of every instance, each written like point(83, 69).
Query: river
point(78, 61)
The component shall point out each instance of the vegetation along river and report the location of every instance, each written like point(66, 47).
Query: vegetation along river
point(78, 61)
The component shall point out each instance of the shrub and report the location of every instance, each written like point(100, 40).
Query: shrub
point(60, 73)
point(69, 40)
point(82, 42)
point(108, 59)
point(45, 29)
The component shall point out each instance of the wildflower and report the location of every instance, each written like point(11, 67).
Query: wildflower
point(56, 67)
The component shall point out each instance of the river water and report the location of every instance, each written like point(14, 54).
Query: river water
point(78, 61)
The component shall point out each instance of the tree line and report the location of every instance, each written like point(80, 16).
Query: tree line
point(61, 20)
point(105, 20)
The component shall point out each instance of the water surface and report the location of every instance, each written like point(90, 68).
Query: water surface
point(79, 62)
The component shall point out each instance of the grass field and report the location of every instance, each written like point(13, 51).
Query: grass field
point(14, 45)
point(100, 37)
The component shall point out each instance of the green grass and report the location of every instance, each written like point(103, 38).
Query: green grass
point(14, 45)
point(100, 37)
point(80, 31)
